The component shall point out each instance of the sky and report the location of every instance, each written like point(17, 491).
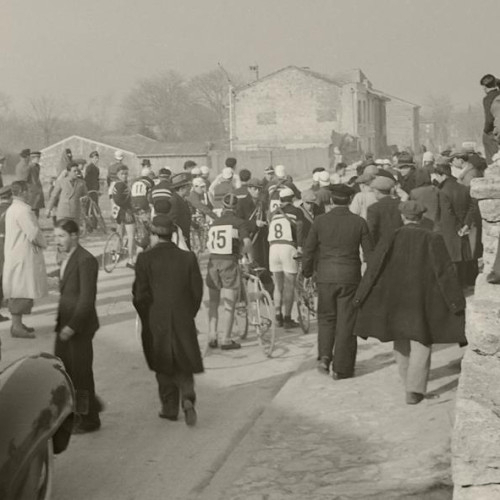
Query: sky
point(77, 50)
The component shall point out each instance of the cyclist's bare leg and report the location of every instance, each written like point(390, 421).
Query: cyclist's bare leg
point(213, 313)
point(289, 293)
point(229, 298)
point(130, 229)
point(278, 279)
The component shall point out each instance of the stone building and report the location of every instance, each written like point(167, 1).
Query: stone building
point(403, 123)
point(298, 108)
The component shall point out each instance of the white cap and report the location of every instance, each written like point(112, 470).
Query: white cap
point(146, 171)
point(196, 171)
point(387, 162)
point(227, 173)
point(118, 155)
point(428, 156)
point(285, 192)
point(279, 171)
point(316, 176)
point(379, 162)
point(324, 178)
point(204, 170)
point(198, 182)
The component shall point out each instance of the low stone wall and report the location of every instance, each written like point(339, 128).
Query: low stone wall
point(476, 435)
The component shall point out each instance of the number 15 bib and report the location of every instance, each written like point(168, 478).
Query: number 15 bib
point(220, 239)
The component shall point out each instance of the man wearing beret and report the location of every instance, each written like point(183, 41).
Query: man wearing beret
point(458, 220)
point(332, 247)
point(167, 292)
point(410, 295)
point(491, 104)
point(383, 217)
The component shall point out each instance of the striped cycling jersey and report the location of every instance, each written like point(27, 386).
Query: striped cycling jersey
point(285, 226)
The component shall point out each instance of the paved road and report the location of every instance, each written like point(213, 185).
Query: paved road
point(137, 455)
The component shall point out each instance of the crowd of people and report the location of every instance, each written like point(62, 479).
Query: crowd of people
point(393, 247)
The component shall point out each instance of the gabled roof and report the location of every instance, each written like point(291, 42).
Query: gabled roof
point(351, 76)
point(306, 71)
point(178, 149)
point(394, 98)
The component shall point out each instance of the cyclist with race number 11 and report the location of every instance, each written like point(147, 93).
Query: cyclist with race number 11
point(228, 238)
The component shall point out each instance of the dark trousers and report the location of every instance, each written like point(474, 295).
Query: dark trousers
point(467, 272)
point(174, 387)
point(490, 147)
point(77, 356)
point(336, 318)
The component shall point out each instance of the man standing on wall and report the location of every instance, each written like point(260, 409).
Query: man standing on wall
point(492, 97)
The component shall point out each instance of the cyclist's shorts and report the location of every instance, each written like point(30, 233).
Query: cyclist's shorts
point(223, 273)
point(125, 217)
point(281, 259)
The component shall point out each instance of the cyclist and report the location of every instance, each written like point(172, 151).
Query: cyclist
point(285, 243)
point(228, 237)
point(223, 187)
point(161, 192)
point(280, 181)
point(140, 192)
point(122, 210)
point(198, 199)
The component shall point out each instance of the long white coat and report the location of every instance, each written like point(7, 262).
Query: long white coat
point(24, 274)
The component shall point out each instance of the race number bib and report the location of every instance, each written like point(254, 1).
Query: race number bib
point(220, 240)
point(139, 189)
point(280, 229)
point(114, 209)
point(273, 205)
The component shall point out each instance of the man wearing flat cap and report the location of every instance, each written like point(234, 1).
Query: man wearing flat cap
point(383, 217)
point(332, 247)
point(167, 292)
point(410, 295)
point(459, 222)
point(406, 167)
point(491, 104)
point(180, 211)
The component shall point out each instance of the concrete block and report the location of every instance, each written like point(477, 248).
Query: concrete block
point(490, 210)
point(485, 188)
point(485, 492)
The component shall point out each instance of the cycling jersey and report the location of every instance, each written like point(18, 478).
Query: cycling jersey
point(141, 193)
point(275, 186)
point(160, 193)
point(285, 226)
point(122, 203)
point(226, 235)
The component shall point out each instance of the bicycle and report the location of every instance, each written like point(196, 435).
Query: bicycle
point(307, 299)
point(115, 249)
point(199, 234)
point(91, 215)
point(255, 307)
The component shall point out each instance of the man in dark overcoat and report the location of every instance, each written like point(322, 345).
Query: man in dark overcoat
point(167, 292)
point(459, 223)
point(180, 211)
point(410, 295)
point(383, 216)
point(36, 199)
point(77, 322)
point(334, 241)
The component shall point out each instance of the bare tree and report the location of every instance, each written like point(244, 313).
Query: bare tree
point(46, 113)
point(441, 111)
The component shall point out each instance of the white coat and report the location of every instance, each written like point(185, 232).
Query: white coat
point(24, 273)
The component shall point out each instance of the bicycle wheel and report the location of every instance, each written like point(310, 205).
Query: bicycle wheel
point(266, 324)
point(97, 217)
point(112, 252)
point(195, 242)
point(241, 313)
point(304, 313)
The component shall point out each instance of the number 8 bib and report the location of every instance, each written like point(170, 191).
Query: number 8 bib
point(280, 229)
point(220, 240)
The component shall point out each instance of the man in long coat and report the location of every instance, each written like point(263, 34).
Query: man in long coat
point(180, 211)
point(410, 295)
point(23, 167)
point(37, 200)
point(24, 276)
point(167, 292)
point(77, 322)
point(459, 223)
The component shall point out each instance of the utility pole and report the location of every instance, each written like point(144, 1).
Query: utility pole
point(231, 105)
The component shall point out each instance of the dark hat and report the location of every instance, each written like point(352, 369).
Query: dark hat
point(35, 153)
point(181, 180)
point(364, 178)
point(231, 162)
point(94, 153)
point(405, 160)
point(68, 151)
point(80, 161)
point(230, 200)
point(382, 183)
point(269, 170)
point(245, 175)
point(25, 153)
point(446, 152)
point(146, 162)
point(341, 190)
point(256, 183)
point(489, 81)
point(189, 164)
point(318, 169)
point(5, 192)
point(164, 172)
point(162, 225)
point(385, 173)
point(411, 208)
point(459, 154)
point(443, 166)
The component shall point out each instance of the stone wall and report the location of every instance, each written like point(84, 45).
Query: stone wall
point(476, 435)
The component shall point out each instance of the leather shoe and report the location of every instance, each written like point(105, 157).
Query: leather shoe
point(3, 318)
point(340, 376)
point(29, 328)
point(173, 418)
point(324, 366)
point(21, 333)
point(84, 427)
point(189, 413)
point(413, 398)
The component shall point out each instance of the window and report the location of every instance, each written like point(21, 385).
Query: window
point(266, 118)
point(326, 115)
